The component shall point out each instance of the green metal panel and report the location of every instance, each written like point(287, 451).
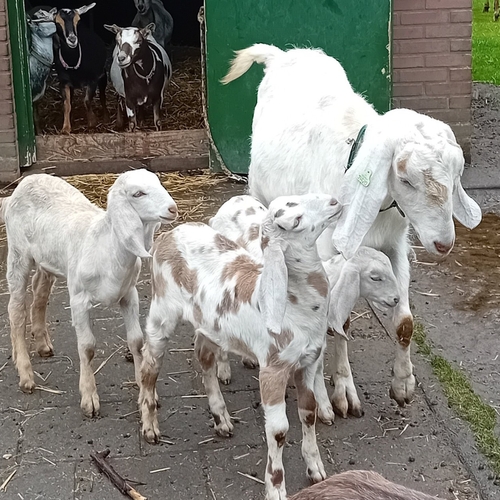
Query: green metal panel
point(21, 79)
point(358, 35)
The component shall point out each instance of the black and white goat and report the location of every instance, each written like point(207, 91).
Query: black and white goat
point(79, 56)
point(153, 11)
point(140, 72)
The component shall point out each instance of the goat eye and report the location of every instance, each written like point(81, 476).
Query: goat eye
point(281, 227)
point(138, 194)
point(376, 278)
point(297, 221)
point(406, 182)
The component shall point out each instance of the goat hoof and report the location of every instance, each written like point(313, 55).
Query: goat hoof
point(90, 406)
point(66, 130)
point(317, 474)
point(326, 415)
point(27, 386)
point(356, 412)
point(223, 425)
point(151, 436)
point(45, 351)
point(248, 363)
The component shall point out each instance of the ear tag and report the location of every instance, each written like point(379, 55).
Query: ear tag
point(364, 178)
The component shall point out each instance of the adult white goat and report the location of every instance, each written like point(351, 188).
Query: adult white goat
point(368, 274)
point(235, 303)
point(306, 118)
point(53, 227)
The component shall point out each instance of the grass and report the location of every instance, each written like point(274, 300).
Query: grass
point(485, 44)
point(467, 404)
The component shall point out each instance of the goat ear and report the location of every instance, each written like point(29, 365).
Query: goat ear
point(149, 232)
point(85, 8)
point(465, 209)
point(273, 287)
point(362, 192)
point(343, 297)
point(127, 224)
point(45, 16)
point(113, 28)
point(148, 30)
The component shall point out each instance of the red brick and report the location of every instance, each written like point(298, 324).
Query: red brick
point(405, 89)
point(4, 64)
point(6, 122)
point(406, 32)
point(448, 89)
point(448, 4)
point(425, 17)
point(3, 19)
point(5, 93)
point(461, 16)
point(424, 103)
point(395, 103)
point(3, 34)
point(404, 61)
point(409, 75)
point(448, 60)
point(4, 49)
point(421, 46)
point(462, 102)
point(8, 151)
point(461, 45)
point(399, 5)
point(6, 108)
point(7, 136)
point(460, 74)
point(452, 115)
point(5, 80)
point(396, 19)
point(448, 31)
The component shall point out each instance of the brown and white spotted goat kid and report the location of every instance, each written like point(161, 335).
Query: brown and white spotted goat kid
point(274, 310)
point(140, 72)
point(79, 58)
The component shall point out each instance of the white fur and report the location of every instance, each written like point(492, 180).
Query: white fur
point(306, 117)
point(292, 225)
point(54, 228)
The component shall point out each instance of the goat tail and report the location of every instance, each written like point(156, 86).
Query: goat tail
point(3, 207)
point(259, 53)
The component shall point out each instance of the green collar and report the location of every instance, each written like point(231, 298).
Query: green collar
point(355, 147)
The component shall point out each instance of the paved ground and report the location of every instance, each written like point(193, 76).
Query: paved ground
point(45, 439)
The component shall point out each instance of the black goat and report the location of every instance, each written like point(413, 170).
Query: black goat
point(140, 71)
point(79, 57)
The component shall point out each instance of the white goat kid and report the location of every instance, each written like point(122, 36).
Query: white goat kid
point(53, 227)
point(306, 117)
point(368, 275)
point(235, 303)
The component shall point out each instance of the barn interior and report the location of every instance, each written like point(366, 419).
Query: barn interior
point(182, 107)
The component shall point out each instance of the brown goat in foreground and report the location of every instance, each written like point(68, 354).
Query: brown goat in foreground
point(359, 485)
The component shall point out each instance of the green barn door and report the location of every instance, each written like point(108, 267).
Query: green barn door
point(358, 35)
point(21, 80)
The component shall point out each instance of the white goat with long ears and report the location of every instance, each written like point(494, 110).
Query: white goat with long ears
point(306, 118)
point(368, 274)
point(53, 227)
point(275, 311)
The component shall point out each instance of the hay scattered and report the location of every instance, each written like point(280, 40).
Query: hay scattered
point(182, 108)
point(190, 191)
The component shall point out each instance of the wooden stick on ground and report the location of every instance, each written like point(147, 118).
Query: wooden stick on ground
point(114, 477)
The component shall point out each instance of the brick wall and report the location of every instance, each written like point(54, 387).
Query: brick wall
point(9, 163)
point(432, 61)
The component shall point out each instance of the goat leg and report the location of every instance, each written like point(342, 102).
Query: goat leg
point(132, 117)
point(156, 115)
point(89, 96)
point(67, 94)
point(106, 468)
point(103, 81)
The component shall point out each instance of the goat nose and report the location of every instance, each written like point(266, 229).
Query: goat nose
point(333, 202)
point(173, 210)
point(396, 300)
point(442, 248)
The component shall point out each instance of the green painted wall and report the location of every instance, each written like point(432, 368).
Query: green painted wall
point(357, 34)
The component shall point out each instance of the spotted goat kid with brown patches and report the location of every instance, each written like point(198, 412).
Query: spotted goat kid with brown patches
point(239, 303)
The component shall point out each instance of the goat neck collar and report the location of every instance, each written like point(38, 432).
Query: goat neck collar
point(355, 145)
point(153, 69)
point(43, 60)
point(65, 64)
